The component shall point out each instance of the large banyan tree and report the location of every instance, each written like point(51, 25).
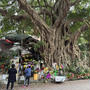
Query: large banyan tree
point(53, 20)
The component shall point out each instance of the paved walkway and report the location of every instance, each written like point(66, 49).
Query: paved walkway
point(68, 85)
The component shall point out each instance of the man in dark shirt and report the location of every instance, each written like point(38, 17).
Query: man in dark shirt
point(12, 76)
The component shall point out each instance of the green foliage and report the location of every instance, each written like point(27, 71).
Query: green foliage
point(79, 11)
point(38, 45)
point(87, 71)
point(75, 26)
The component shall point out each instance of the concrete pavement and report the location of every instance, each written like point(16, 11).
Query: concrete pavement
point(67, 85)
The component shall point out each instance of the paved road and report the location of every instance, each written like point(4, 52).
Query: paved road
point(68, 85)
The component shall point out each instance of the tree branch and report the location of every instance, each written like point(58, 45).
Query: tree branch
point(15, 17)
point(55, 4)
point(61, 8)
point(46, 11)
point(74, 20)
point(3, 12)
point(47, 5)
point(76, 2)
point(36, 19)
point(39, 4)
point(8, 4)
point(77, 34)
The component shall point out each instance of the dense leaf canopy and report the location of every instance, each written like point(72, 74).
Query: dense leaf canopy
point(14, 19)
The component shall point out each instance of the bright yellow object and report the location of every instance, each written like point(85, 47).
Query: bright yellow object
point(57, 67)
point(46, 70)
point(35, 76)
point(24, 66)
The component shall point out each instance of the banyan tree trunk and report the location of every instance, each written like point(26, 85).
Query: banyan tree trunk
point(59, 47)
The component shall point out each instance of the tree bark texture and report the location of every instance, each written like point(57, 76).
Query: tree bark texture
point(60, 46)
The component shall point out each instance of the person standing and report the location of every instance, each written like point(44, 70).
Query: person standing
point(27, 75)
point(12, 76)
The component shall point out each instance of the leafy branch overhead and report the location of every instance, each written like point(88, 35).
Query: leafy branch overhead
point(55, 10)
point(59, 23)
